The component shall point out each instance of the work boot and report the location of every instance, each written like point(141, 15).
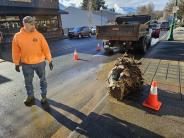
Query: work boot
point(29, 100)
point(44, 99)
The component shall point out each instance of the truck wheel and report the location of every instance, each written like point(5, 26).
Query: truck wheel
point(122, 50)
point(149, 43)
point(143, 45)
point(108, 51)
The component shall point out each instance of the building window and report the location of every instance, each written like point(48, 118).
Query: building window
point(9, 25)
point(47, 23)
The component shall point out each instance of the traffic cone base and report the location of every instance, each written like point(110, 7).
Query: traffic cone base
point(155, 106)
point(152, 100)
point(98, 48)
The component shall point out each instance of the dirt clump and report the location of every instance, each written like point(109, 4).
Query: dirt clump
point(125, 79)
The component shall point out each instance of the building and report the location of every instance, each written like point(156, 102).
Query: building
point(78, 18)
point(46, 13)
point(109, 15)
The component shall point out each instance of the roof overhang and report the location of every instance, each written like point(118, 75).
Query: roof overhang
point(7, 10)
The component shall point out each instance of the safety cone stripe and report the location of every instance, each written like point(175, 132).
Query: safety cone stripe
point(154, 90)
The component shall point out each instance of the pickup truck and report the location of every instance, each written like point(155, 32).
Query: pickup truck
point(128, 32)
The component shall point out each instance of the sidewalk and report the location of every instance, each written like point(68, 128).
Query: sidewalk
point(129, 119)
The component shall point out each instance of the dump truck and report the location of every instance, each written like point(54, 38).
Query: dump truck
point(128, 32)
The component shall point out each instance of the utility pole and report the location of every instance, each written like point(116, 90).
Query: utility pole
point(170, 36)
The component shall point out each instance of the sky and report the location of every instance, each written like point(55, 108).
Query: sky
point(117, 4)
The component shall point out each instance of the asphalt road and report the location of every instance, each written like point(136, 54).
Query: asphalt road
point(74, 90)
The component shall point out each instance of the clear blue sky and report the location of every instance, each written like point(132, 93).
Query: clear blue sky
point(159, 4)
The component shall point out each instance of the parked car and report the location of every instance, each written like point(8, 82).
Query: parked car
point(155, 30)
point(79, 32)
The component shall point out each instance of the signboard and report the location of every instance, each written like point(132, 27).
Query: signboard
point(21, 0)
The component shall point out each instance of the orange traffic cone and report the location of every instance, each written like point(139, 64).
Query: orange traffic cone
point(98, 48)
point(75, 55)
point(152, 100)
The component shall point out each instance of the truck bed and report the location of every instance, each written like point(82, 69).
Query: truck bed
point(126, 32)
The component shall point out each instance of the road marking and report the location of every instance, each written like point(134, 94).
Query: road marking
point(67, 47)
point(99, 55)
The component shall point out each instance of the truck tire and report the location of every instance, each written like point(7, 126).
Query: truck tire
point(149, 43)
point(143, 45)
point(108, 51)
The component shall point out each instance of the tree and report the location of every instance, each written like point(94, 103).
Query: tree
point(112, 10)
point(157, 14)
point(85, 4)
point(180, 13)
point(93, 4)
point(99, 3)
point(147, 9)
point(171, 4)
point(141, 10)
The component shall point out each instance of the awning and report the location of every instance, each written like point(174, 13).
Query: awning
point(29, 11)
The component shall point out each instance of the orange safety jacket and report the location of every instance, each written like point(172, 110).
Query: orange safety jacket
point(30, 48)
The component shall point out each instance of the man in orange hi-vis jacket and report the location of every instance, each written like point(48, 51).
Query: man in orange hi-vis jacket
point(30, 49)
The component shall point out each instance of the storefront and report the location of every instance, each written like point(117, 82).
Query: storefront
point(48, 21)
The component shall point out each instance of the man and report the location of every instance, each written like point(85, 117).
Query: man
point(30, 49)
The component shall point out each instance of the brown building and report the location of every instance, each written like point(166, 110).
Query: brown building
point(46, 13)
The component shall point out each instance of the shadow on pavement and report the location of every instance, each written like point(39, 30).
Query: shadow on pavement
point(108, 126)
point(62, 119)
point(168, 50)
point(73, 111)
point(95, 125)
point(4, 79)
point(171, 103)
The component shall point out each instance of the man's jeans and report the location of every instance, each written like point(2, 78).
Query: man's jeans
point(28, 71)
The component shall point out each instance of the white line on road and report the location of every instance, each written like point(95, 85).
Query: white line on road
point(98, 55)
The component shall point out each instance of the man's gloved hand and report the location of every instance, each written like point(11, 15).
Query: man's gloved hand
point(51, 65)
point(17, 68)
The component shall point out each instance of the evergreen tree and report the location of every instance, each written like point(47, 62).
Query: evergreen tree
point(93, 4)
point(85, 4)
point(98, 3)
